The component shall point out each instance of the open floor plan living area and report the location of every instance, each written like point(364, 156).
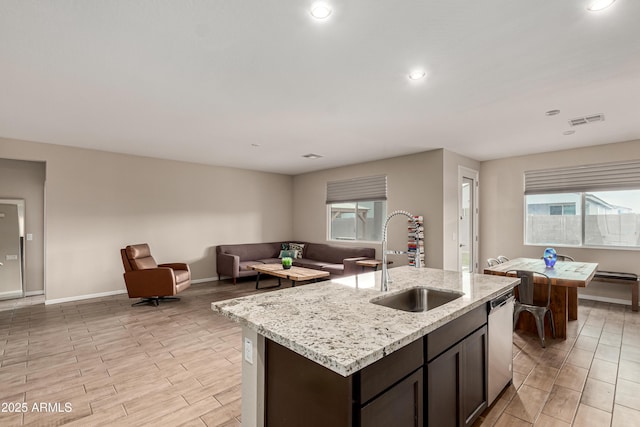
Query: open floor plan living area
point(319, 213)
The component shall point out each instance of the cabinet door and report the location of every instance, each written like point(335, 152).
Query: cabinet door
point(299, 392)
point(400, 406)
point(474, 376)
point(443, 384)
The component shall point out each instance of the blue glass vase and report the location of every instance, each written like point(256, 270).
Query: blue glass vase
point(550, 257)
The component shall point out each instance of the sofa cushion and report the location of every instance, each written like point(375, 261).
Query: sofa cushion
point(252, 251)
point(309, 263)
point(334, 268)
point(299, 248)
point(334, 254)
point(290, 253)
point(245, 264)
point(269, 261)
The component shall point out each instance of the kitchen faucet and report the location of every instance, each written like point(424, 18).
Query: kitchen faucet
point(384, 283)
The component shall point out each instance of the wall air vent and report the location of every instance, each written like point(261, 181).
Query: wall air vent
point(592, 118)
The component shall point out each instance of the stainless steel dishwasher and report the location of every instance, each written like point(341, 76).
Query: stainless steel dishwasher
point(500, 337)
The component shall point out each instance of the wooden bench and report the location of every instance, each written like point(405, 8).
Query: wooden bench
point(623, 278)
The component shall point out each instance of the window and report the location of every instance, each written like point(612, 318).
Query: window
point(603, 210)
point(567, 209)
point(612, 218)
point(357, 208)
point(553, 219)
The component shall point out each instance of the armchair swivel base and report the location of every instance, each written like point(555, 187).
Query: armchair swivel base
point(155, 301)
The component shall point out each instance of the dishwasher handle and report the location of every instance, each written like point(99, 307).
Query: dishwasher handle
point(501, 301)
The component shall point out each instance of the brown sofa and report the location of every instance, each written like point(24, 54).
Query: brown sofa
point(232, 260)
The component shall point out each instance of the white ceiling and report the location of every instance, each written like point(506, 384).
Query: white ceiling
point(202, 81)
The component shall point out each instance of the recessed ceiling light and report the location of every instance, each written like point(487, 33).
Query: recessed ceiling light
point(312, 156)
point(321, 10)
point(552, 112)
point(568, 132)
point(417, 75)
point(599, 5)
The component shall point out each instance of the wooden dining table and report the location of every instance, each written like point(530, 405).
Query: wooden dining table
point(566, 277)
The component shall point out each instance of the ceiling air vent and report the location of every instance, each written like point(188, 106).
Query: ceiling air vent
point(587, 119)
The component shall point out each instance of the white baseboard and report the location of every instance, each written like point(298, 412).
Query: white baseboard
point(10, 294)
point(33, 293)
point(605, 299)
point(81, 297)
point(206, 279)
point(106, 294)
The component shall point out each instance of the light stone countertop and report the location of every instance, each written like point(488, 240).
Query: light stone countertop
point(334, 323)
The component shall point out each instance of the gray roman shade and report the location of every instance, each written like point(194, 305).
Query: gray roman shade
point(357, 189)
point(599, 177)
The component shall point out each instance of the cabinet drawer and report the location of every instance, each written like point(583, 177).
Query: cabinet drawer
point(454, 331)
point(379, 376)
point(400, 406)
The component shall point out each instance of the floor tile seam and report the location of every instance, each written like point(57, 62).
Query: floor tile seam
point(56, 371)
point(618, 377)
point(135, 414)
point(574, 412)
point(599, 409)
point(624, 406)
point(546, 399)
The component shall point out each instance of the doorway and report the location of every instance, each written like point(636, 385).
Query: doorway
point(468, 187)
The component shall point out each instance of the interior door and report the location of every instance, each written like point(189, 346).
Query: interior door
point(468, 220)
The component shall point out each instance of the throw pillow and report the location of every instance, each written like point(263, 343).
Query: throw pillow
point(288, 253)
point(298, 247)
point(284, 246)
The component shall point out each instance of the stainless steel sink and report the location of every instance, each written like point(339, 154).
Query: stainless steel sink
point(417, 300)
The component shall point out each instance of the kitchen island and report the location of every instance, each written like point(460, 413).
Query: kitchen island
point(324, 354)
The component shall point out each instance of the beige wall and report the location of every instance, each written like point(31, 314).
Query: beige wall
point(416, 183)
point(98, 202)
point(25, 180)
point(502, 210)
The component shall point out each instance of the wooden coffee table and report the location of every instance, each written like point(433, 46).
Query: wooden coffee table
point(295, 274)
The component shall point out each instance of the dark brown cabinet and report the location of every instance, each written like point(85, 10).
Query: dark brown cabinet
point(457, 382)
point(443, 382)
point(456, 373)
point(474, 376)
point(438, 380)
point(400, 406)
point(387, 392)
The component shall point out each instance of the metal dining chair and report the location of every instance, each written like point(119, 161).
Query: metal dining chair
point(502, 258)
point(525, 301)
point(492, 262)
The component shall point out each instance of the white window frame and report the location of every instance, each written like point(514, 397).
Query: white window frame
point(353, 191)
point(583, 180)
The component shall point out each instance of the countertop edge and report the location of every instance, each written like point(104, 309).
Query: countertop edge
point(357, 365)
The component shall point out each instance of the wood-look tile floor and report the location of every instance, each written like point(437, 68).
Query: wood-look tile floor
point(180, 364)
point(113, 364)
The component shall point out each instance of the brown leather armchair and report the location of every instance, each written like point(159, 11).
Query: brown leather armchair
point(150, 281)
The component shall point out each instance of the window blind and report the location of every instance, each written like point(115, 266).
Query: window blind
point(357, 189)
point(597, 177)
